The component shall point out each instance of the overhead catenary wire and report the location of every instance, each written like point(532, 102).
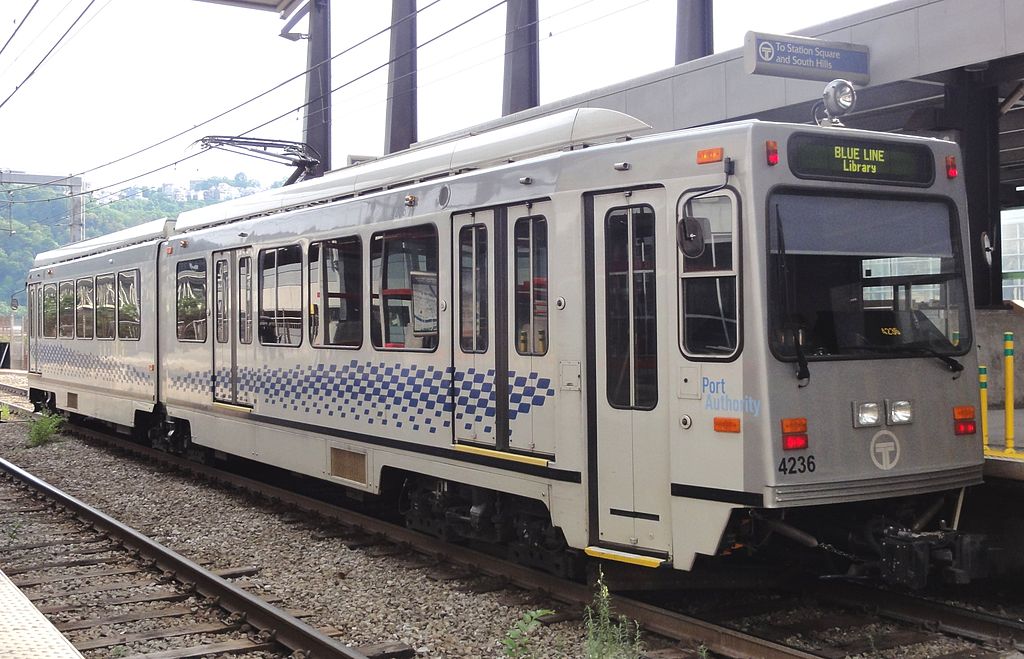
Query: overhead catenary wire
point(20, 23)
point(47, 55)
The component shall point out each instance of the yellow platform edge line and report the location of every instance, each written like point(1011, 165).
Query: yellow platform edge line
point(623, 557)
point(229, 406)
point(1015, 454)
point(501, 455)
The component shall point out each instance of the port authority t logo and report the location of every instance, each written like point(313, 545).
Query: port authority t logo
point(885, 450)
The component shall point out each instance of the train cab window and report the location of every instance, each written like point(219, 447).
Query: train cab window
point(66, 310)
point(336, 293)
point(403, 289)
point(49, 311)
point(190, 300)
point(280, 300)
point(531, 285)
point(707, 257)
point(129, 321)
point(84, 308)
point(105, 298)
point(245, 299)
point(473, 319)
point(630, 303)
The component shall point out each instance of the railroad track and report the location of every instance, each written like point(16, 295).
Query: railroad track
point(110, 589)
point(889, 621)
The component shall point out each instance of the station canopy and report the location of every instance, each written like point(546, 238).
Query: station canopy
point(285, 7)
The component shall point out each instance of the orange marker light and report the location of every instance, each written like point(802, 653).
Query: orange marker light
point(963, 412)
point(951, 170)
point(794, 425)
point(771, 152)
point(727, 424)
point(705, 156)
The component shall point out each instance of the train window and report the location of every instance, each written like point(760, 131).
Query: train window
point(473, 320)
point(105, 304)
point(129, 320)
point(894, 285)
point(245, 299)
point(66, 310)
point(336, 293)
point(280, 302)
point(403, 289)
point(190, 302)
point(50, 311)
point(630, 303)
point(707, 287)
point(84, 308)
point(531, 285)
point(220, 293)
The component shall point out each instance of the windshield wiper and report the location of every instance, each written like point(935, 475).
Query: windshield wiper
point(803, 375)
point(953, 365)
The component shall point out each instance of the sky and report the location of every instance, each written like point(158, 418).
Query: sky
point(133, 86)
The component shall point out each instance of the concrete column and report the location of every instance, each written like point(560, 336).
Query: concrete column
point(522, 57)
point(694, 33)
point(317, 125)
point(400, 123)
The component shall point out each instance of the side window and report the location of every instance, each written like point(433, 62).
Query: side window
point(66, 310)
point(84, 308)
point(630, 308)
point(336, 293)
point(105, 306)
point(281, 296)
point(531, 285)
point(245, 299)
point(50, 311)
point(221, 300)
point(403, 289)
point(708, 276)
point(473, 320)
point(129, 320)
point(190, 300)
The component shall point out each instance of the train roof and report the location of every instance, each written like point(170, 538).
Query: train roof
point(564, 130)
point(152, 230)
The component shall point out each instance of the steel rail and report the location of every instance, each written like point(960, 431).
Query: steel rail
point(284, 628)
point(717, 639)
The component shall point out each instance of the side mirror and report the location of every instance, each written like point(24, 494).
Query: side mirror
point(691, 234)
point(14, 304)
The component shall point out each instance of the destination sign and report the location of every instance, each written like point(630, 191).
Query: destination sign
point(845, 159)
point(807, 59)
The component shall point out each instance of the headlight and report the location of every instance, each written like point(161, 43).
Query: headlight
point(899, 412)
point(866, 415)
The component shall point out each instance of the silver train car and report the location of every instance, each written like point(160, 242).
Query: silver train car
point(555, 337)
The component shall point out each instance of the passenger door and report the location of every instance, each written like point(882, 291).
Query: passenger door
point(476, 386)
point(233, 348)
point(628, 235)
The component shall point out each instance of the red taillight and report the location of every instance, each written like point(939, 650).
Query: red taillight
point(771, 152)
point(795, 442)
point(951, 170)
point(965, 427)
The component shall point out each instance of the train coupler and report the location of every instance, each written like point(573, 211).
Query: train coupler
point(910, 558)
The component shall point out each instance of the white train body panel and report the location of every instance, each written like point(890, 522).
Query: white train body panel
point(634, 419)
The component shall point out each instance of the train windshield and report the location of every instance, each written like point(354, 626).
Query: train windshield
point(862, 277)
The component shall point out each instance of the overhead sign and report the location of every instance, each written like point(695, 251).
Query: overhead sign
point(806, 59)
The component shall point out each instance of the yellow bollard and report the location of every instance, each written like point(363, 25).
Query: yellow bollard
point(1008, 375)
point(983, 393)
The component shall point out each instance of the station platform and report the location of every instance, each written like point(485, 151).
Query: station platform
point(1000, 462)
point(25, 632)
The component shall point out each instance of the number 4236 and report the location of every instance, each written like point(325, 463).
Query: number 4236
point(799, 464)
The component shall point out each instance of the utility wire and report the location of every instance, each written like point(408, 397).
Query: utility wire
point(52, 48)
point(23, 19)
point(186, 131)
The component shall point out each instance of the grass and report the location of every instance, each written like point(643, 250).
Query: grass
point(516, 643)
point(608, 637)
point(44, 429)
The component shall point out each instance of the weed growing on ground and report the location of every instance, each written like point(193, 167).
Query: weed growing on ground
point(516, 643)
point(608, 638)
point(44, 429)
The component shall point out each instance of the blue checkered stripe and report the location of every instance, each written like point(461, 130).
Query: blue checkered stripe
point(59, 361)
point(392, 395)
point(475, 396)
point(244, 387)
